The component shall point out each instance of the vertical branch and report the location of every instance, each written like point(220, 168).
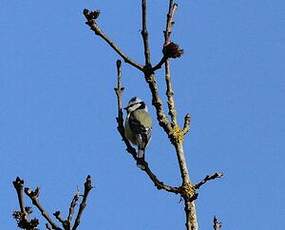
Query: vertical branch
point(119, 89)
point(191, 218)
point(19, 186)
point(72, 207)
point(144, 34)
point(157, 103)
point(149, 75)
point(22, 216)
point(169, 89)
point(87, 188)
point(169, 21)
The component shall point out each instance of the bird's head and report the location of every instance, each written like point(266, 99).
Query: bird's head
point(134, 104)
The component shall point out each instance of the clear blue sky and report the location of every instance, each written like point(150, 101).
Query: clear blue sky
point(58, 108)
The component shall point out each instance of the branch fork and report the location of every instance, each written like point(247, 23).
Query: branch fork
point(22, 216)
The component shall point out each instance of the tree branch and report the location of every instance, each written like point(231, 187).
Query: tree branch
point(48, 227)
point(186, 126)
point(34, 195)
point(19, 186)
point(87, 188)
point(157, 103)
point(91, 22)
point(62, 221)
point(22, 216)
point(169, 89)
point(72, 207)
point(144, 34)
point(208, 178)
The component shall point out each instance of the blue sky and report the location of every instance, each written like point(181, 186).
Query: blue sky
point(58, 108)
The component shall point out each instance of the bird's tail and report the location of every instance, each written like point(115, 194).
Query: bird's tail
point(140, 158)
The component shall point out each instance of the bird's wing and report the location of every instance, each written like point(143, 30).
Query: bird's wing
point(142, 131)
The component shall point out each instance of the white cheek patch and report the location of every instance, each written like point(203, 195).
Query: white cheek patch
point(134, 107)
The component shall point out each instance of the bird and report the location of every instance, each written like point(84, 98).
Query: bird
point(138, 127)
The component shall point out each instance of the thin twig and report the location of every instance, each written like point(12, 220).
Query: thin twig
point(87, 188)
point(144, 34)
point(217, 225)
point(48, 227)
point(169, 21)
point(159, 64)
point(186, 126)
point(159, 184)
point(120, 120)
point(208, 178)
point(91, 22)
point(34, 195)
point(62, 221)
point(72, 207)
point(169, 89)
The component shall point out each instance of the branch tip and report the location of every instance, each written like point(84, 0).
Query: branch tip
point(217, 225)
point(208, 178)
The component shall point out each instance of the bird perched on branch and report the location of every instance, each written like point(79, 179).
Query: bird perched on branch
point(138, 126)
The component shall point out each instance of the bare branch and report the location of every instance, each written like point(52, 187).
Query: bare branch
point(120, 119)
point(34, 196)
point(72, 207)
point(144, 34)
point(169, 89)
point(208, 178)
point(217, 225)
point(157, 103)
point(186, 126)
point(19, 186)
point(22, 216)
point(159, 184)
point(169, 21)
point(159, 64)
point(191, 217)
point(48, 227)
point(87, 188)
point(62, 221)
point(91, 22)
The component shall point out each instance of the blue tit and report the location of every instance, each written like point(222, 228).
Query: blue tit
point(138, 126)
